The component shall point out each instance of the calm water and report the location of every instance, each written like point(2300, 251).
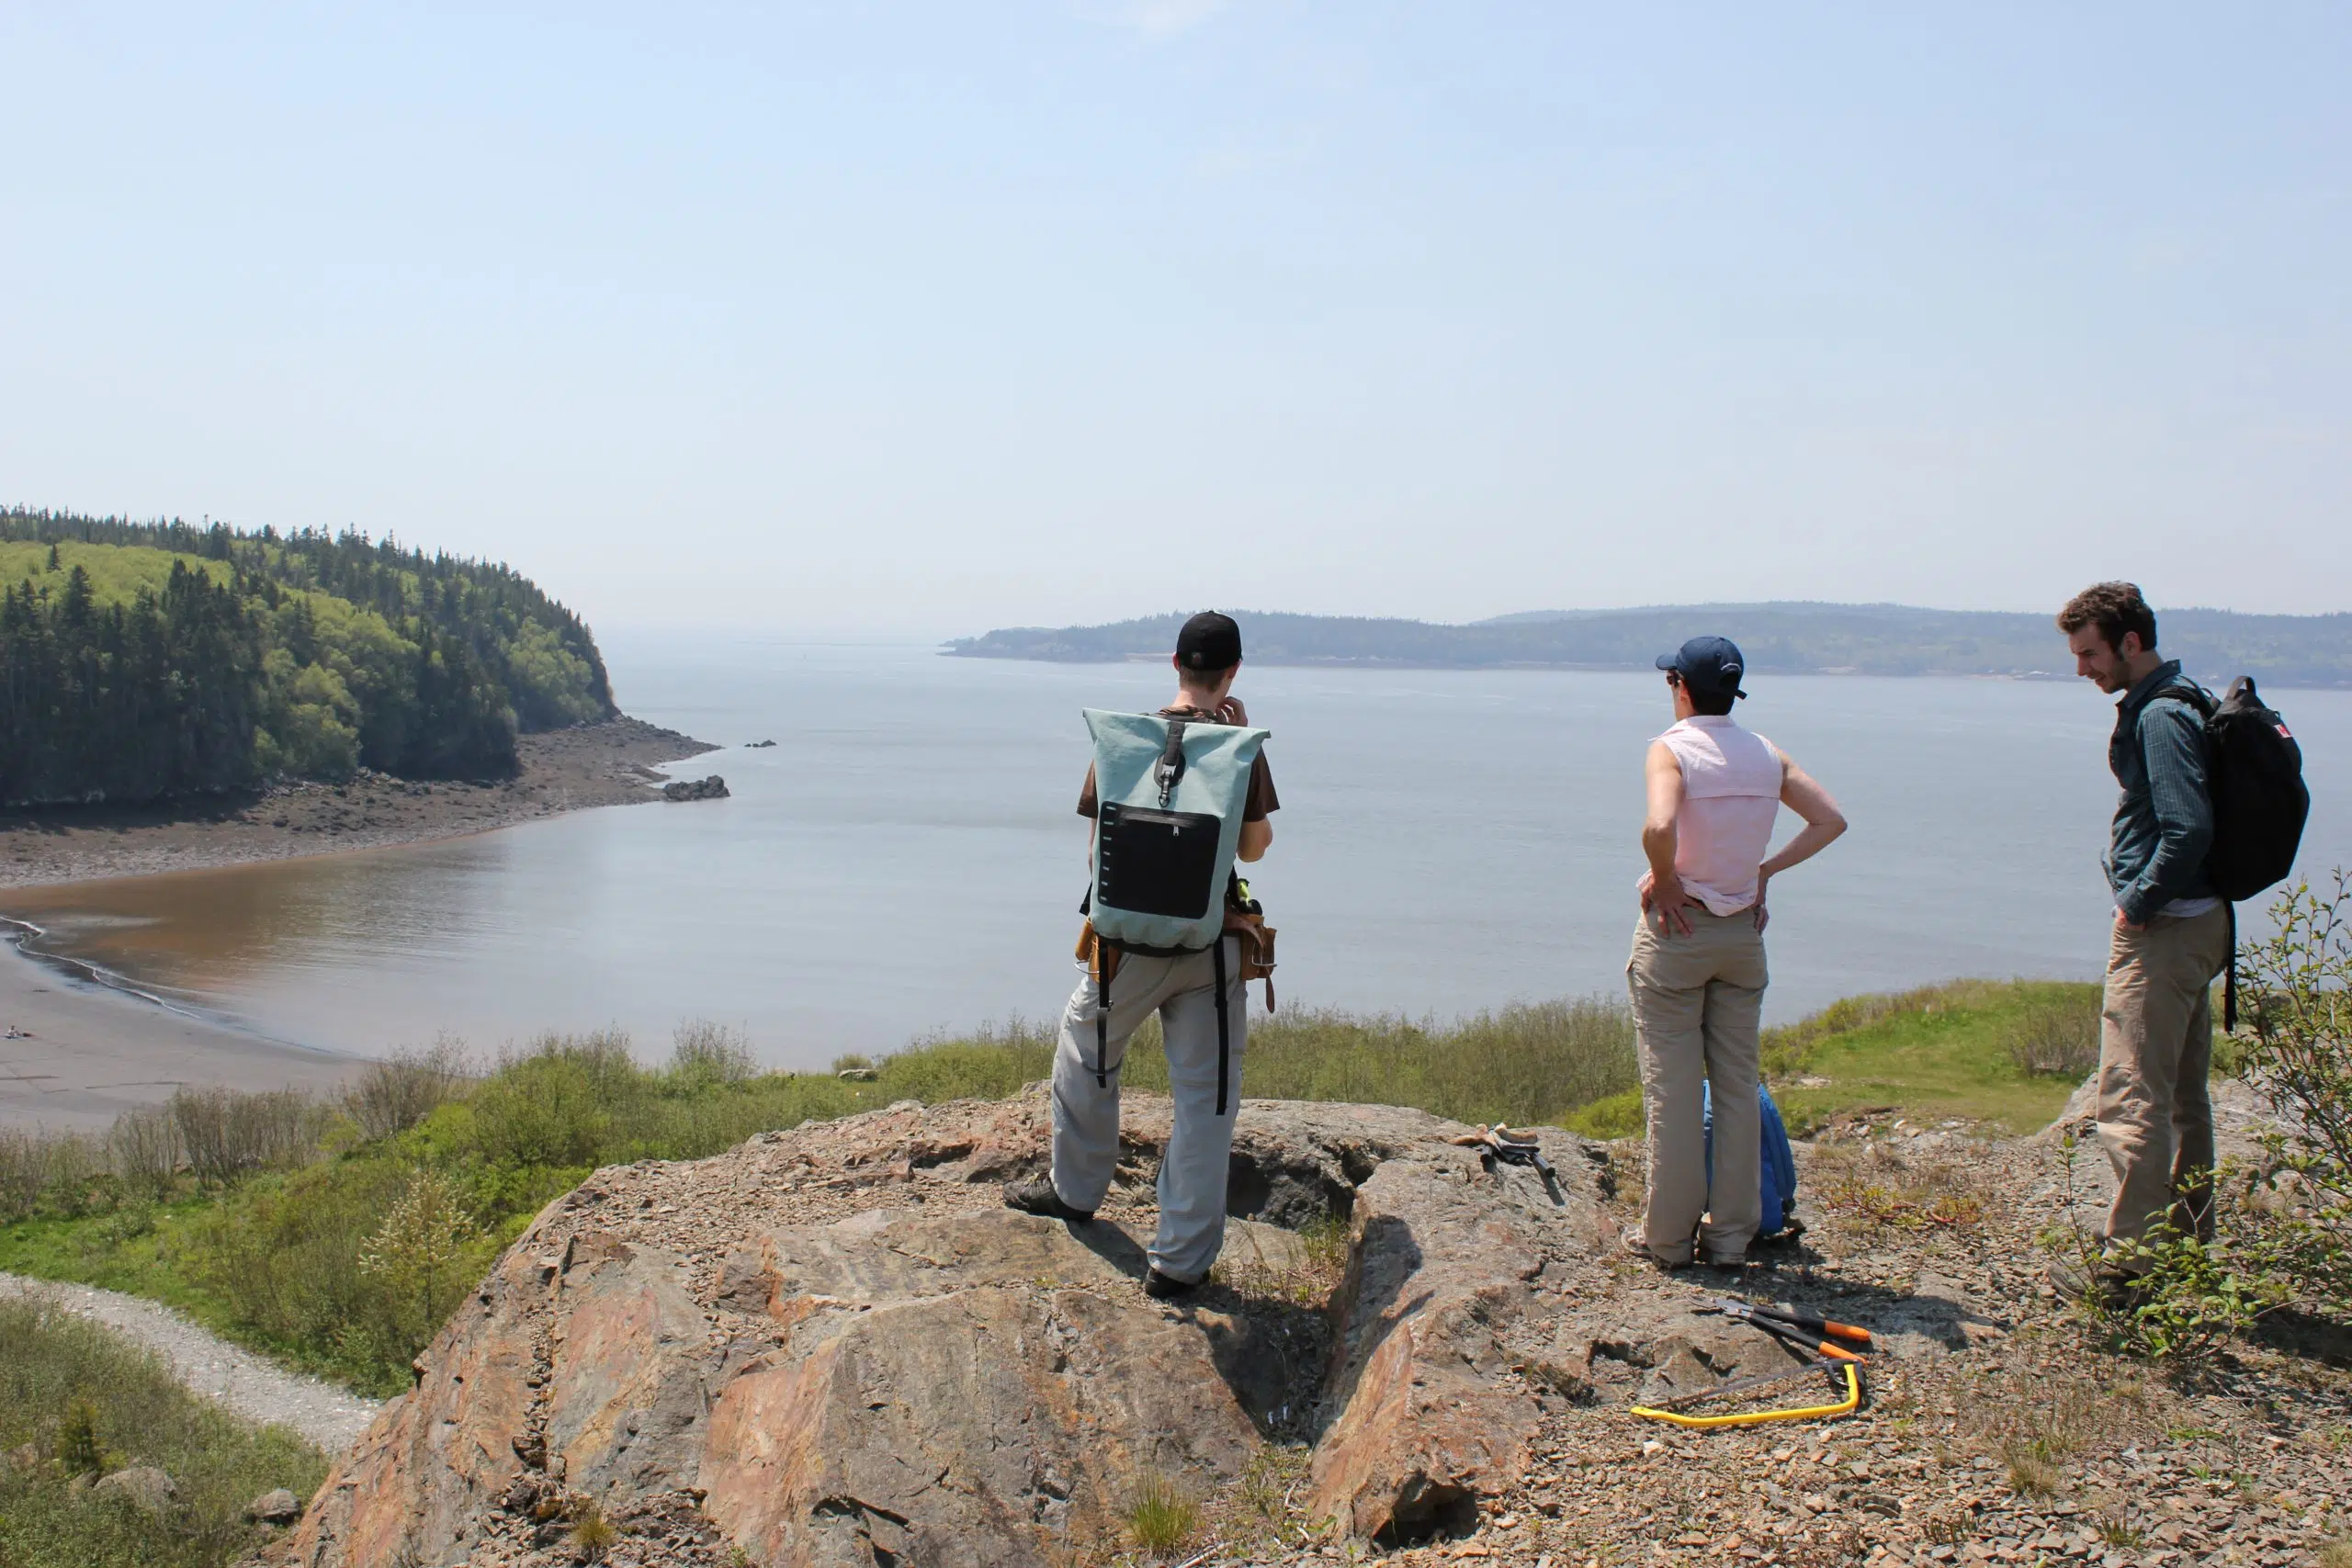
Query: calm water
point(907, 857)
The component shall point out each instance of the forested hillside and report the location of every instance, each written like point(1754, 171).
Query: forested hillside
point(145, 659)
point(1791, 639)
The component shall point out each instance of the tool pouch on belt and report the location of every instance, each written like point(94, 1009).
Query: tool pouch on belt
point(1257, 940)
point(1102, 960)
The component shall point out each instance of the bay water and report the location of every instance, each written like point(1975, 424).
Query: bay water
point(907, 859)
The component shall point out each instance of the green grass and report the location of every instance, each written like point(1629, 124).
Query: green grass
point(1939, 1052)
point(53, 1367)
point(118, 572)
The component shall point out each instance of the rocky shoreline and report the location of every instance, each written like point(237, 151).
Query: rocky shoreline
point(564, 770)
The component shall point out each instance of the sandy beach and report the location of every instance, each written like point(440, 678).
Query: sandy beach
point(86, 1052)
point(95, 1052)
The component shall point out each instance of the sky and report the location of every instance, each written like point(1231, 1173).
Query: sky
point(912, 321)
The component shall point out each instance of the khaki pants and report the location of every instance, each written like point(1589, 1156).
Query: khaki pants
point(2155, 1050)
point(1193, 1172)
point(1698, 1001)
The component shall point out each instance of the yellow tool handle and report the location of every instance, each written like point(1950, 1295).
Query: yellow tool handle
point(1751, 1417)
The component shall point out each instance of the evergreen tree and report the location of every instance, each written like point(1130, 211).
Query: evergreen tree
point(306, 652)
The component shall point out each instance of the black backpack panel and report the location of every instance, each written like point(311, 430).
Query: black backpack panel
point(1158, 862)
point(2255, 770)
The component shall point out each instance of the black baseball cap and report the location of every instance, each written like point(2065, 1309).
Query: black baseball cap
point(1709, 665)
point(1209, 641)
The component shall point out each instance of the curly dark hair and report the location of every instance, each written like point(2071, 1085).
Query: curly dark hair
point(2114, 608)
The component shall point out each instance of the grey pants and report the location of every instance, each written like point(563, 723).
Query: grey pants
point(1182, 990)
point(1698, 1002)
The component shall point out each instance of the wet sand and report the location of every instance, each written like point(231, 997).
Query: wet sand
point(96, 1053)
point(92, 1051)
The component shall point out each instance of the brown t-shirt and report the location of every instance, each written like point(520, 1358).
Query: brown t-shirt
point(1261, 800)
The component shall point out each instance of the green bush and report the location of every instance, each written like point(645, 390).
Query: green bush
point(2292, 1213)
point(84, 1398)
point(285, 1255)
point(2056, 1039)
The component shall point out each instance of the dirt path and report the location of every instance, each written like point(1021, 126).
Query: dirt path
point(243, 1382)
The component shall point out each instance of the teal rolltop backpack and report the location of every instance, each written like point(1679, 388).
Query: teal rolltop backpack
point(1170, 794)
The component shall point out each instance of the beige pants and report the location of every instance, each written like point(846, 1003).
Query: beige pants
point(1698, 1001)
point(2155, 1049)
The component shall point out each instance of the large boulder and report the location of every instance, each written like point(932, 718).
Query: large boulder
point(834, 1347)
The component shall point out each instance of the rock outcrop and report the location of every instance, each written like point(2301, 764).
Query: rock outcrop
point(833, 1346)
point(143, 1487)
point(712, 788)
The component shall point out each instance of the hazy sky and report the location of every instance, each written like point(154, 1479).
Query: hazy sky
point(930, 318)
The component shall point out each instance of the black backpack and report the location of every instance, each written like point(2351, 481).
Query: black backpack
point(2254, 772)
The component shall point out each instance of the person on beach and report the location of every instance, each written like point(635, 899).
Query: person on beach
point(2168, 938)
point(1697, 972)
point(1182, 987)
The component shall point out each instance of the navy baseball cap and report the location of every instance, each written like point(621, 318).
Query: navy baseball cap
point(1709, 665)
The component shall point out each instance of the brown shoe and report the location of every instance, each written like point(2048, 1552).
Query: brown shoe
point(1039, 1198)
point(1638, 1245)
point(2110, 1288)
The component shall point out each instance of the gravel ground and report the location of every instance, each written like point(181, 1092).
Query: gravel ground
point(244, 1383)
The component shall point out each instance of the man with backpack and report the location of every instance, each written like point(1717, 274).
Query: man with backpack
point(1697, 974)
point(1175, 797)
point(2170, 937)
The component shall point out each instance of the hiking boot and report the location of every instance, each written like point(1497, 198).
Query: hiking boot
point(1638, 1245)
point(1039, 1198)
point(1723, 1260)
point(1162, 1287)
point(2097, 1285)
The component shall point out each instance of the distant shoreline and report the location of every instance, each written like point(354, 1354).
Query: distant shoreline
point(1888, 640)
point(562, 770)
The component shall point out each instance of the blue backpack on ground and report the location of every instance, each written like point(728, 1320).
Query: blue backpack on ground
point(1780, 1161)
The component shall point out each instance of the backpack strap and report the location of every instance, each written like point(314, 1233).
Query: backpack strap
point(1224, 1031)
point(2195, 697)
point(2230, 975)
point(1170, 766)
point(1102, 1017)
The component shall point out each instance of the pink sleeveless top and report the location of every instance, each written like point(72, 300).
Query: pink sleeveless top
point(1731, 794)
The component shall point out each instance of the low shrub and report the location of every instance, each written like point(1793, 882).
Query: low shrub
point(146, 1148)
point(85, 1399)
point(2292, 1217)
point(229, 1135)
point(705, 1053)
point(43, 1170)
point(2055, 1040)
point(395, 1094)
